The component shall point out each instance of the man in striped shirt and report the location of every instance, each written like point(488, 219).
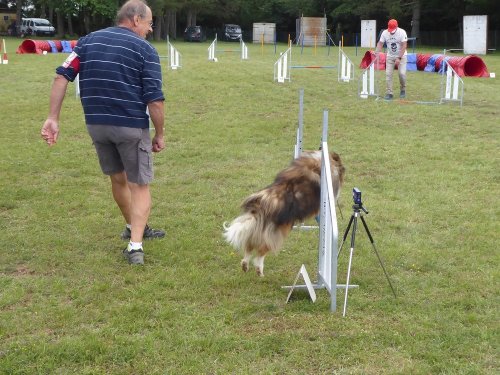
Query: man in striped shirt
point(120, 81)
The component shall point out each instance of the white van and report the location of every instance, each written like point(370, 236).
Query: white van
point(36, 26)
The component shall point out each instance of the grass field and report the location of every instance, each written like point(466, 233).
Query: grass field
point(70, 304)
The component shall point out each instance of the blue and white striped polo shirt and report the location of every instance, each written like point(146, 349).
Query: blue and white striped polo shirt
point(119, 74)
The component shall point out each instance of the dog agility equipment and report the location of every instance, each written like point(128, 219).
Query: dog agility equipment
point(367, 85)
point(465, 66)
point(328, 234)
point(212, 50)
point(174, 57)
point(452, 86)
point(39, 46)
point(3, 57)
point(346, 71)
point(282, 66)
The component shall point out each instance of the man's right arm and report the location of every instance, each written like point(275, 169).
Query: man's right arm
point(50, 128)
point(157, 115)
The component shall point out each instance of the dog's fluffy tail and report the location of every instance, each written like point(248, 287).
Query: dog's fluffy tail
point(249, 231)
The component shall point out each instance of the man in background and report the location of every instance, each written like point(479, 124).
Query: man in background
point(396, 40)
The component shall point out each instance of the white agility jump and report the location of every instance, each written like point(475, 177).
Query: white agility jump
point(328, 234)
point(174, 57)
point(452, 86)
point(297, 151)
point(3, 53)
point(212, 50)
point(346, 71)
point(367, 85)
point(244, 50)
point(282, 66)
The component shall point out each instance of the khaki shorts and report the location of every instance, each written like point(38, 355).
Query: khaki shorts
point(124, 149)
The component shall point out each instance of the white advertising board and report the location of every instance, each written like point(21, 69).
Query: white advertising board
point(475, 35)
point(368, 33)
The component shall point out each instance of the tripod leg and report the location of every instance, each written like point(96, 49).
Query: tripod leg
point(340, 210)
point(345, 234)
point(378, 256)
point(353, 238)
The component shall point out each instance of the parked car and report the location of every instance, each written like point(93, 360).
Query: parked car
point(194, 34)
point(36, 26)
point(232, 33)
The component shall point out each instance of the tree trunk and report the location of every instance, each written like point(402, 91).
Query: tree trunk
point(158, 27)
point(60, 23)
point(19, 16)
point(415, 20)
point(70, 26)
point(86, 21)
point(171, 24)
point(191, 17)
point(51, 13)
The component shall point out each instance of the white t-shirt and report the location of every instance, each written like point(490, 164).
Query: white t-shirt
point(394, 41)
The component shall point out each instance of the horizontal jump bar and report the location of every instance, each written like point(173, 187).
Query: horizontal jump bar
point(312, 67)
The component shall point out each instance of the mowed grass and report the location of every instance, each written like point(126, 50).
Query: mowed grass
point(429, 175)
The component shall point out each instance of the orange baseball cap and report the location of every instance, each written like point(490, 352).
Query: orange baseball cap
point(392, 25)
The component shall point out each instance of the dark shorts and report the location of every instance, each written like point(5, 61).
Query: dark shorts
point(124, 149)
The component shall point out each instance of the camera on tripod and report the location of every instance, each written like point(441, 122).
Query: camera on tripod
point(356, 196)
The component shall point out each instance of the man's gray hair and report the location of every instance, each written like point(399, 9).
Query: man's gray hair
point(130, 9)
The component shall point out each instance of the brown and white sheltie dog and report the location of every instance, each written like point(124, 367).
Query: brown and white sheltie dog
point(269, 214)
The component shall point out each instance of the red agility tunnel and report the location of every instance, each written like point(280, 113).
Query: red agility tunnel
point(34, 46)
point(38, 46)
point(465, 66)
point(469, 66)
point(422, 59)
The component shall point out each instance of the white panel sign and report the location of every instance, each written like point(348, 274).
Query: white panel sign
point(368, 33)
point(264, 33)
point(475, 35)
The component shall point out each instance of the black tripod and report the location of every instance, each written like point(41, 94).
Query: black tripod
point(357, 208)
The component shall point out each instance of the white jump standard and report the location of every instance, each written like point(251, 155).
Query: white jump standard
point(328, 234)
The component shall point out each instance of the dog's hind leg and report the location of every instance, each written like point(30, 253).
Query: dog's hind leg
point(246, 260)
point(258, 262)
